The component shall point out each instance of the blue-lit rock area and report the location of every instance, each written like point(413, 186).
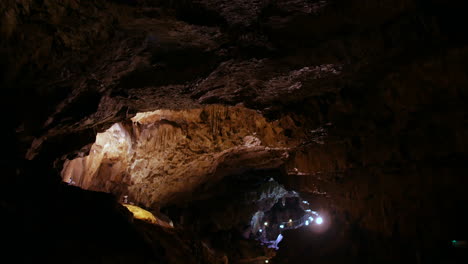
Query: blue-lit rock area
point(234, 131)
point(284, 215)
point(288, 212)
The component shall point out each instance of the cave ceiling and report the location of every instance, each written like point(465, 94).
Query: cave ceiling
point(360, 106)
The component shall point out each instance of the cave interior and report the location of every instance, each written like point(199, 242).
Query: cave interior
point(232, 131)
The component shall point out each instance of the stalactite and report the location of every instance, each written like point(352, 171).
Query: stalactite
point(168, 153)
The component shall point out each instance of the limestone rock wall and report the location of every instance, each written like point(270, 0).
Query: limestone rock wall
point(166, 155)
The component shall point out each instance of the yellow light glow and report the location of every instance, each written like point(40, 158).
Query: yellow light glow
point(142, 214)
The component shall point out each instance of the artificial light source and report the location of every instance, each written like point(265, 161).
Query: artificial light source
point(281, 226)
point(460, 243)
point(311, 218)
point(290, 220)
point(261, 230)
point(319, 220)
point(266, 261)
point(307, 222)
point(266, 223)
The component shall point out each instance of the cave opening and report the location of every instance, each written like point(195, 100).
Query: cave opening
point(230, 162)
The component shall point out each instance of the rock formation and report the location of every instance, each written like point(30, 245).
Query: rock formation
point(184, 105)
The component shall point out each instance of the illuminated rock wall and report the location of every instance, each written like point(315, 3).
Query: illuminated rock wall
point(166, 155)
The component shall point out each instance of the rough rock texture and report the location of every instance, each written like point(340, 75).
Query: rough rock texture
point(164, 156)
point(397, 170)
point(375, 89)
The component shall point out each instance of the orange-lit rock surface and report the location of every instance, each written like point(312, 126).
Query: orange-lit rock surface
point(166, 155)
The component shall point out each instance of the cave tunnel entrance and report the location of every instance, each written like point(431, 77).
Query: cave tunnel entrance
point(213, 172)
point(215, 176)
point(251, 206)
